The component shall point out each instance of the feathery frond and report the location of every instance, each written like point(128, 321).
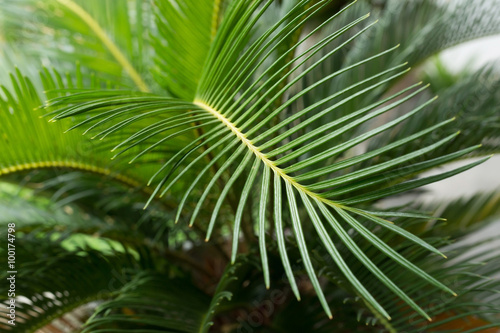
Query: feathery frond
point(237, 115)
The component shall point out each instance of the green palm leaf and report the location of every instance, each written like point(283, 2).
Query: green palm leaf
point(235, 105)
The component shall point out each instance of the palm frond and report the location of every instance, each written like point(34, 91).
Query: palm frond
point(51, 147)
point(477, 306)
point(155, 303)
point(236, 114)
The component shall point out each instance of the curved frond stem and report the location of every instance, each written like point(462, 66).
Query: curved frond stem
point(256, 151)
point(215, 18)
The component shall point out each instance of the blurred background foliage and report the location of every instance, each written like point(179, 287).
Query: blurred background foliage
point(89, 252)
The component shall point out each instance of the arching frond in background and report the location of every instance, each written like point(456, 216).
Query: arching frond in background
point(236, 112)
point(73, 168)
point(262, 118)
point(109, 37)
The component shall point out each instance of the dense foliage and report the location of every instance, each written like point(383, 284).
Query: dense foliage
point(235, 165)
